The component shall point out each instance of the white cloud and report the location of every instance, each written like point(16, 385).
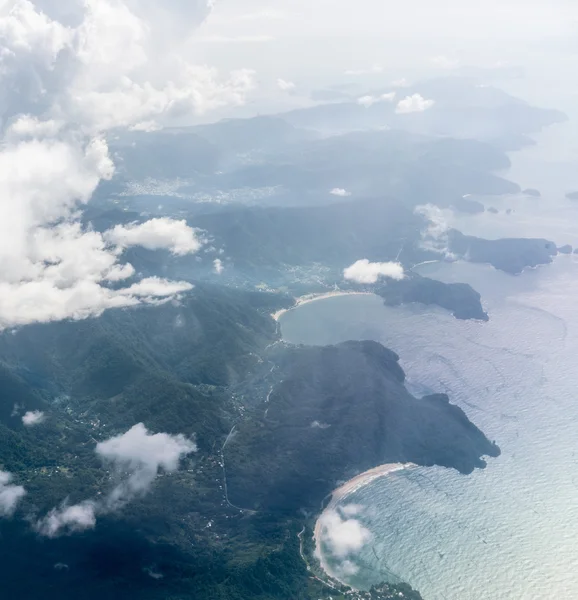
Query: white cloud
point(285, 86)
point(364, 271)
point(435, 235)
point(340, 192)
point(156, 234)
point(33, 417)
point(68, 519)
point(136, 458)
point(368, 101)
point(413, 103)
point(10, 495)
point(342, 536)
point(400, 83)
point(443, 62)
point(28, 126)
point(69, 72)
point(218, 266)
point(141, 455)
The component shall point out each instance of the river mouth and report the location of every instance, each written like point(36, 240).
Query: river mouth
point(504, 532)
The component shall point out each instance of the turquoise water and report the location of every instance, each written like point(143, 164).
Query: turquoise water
point(509, 531)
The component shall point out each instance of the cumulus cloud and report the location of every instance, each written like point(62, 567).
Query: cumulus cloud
point(368, 101)
point(141, 455)
point(33, 417)
point(69, 73)
point(364, 271)
point(285, 86)
point(136, 458)
point(413, 103)
point(341, 535)
point(156, 234)
point(340, 192)
point(10, 494)
point(68, 519)
point(218, 266)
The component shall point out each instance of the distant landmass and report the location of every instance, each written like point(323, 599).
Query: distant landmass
point(509, 255)
point(459, 298)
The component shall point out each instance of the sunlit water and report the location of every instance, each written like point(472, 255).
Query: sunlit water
point(509, 531)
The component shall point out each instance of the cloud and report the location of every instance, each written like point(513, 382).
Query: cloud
point(364, 271)
point(136, 458)
point(342, 536)
point(141, 455)
point(373, 70)
point(368, 101)
point(33, 417)
point(443, 62)
point(10, 495)
point(340, 192)
point(69, 73)
point(434, 236)
point(285, 86)
point(156, 234)
point(413, 103)
point(218, 266)
point(68, 519)
point(400, 83)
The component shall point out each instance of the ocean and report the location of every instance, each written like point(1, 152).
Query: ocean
point(510, 531)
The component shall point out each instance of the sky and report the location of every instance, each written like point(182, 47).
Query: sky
point(323, 41)
point(74, 73)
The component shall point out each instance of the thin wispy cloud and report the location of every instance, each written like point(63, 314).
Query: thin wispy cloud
point(10, 494)
point(285, 86)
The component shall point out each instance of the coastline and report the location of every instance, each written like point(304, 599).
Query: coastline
point(342, 492)
point(313, 297)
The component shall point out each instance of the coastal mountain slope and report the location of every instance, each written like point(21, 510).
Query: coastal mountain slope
point(335, 412)
point(192, 367)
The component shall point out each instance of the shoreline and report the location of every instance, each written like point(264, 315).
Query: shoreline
point(342, 492)
point(314, 297)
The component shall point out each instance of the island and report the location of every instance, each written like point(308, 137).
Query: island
point(511, 255)
point(459, 298)
point(572, 195)
point(534, 193)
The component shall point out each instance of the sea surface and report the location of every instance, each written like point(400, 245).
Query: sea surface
point(510, 531)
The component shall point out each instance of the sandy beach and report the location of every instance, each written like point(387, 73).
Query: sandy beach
point(342, 492)
point(313, 297)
